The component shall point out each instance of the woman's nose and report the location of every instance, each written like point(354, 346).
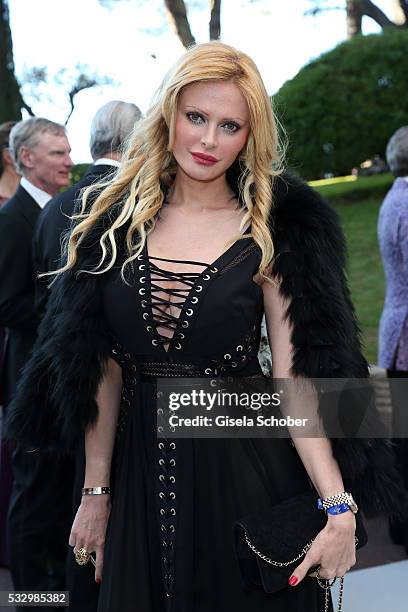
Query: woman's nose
point(209, 138)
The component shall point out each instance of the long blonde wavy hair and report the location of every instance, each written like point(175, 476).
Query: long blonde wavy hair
point(148, 166)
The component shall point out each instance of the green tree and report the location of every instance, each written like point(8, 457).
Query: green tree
point(36, 83)
point(11, 100)
point(342, 108)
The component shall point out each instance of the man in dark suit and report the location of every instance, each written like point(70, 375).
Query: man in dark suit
point(111, 125)
point(41, 153)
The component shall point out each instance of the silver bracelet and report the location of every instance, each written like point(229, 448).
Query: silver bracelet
point(96, 490)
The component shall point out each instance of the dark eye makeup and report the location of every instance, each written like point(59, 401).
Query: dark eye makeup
point(197, 118)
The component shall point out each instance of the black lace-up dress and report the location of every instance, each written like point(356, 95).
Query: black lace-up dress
point(170, 543)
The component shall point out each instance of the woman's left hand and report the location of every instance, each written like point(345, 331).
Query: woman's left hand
point(333, 549)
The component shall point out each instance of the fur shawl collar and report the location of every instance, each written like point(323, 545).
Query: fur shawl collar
point(55, 399)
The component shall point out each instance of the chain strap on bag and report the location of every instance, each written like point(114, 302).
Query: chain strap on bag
point(322, 582)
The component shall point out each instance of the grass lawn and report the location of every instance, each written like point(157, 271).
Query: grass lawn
point(365, 269)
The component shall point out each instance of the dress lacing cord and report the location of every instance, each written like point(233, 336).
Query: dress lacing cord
point(159, 305)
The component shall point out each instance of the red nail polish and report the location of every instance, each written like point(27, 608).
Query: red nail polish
point(98, 580)
point(293, 580)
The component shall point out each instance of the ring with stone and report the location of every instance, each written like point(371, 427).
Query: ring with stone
point(82, 556)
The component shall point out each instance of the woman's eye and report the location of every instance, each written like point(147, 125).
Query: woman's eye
point(231, 127)
point(195, 118)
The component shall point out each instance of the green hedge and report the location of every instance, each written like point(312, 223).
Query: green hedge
point(345, 189)
point(77, 172)
point(342, 108)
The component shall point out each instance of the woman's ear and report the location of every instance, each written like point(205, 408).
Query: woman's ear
point(7, 158)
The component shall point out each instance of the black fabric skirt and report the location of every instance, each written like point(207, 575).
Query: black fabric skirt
point(170, 538)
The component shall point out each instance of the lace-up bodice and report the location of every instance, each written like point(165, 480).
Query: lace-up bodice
point(171, 294)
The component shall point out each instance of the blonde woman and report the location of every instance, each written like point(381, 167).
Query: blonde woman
point(169, 269)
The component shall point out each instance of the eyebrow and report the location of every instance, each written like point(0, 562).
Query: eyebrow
point(206, 114)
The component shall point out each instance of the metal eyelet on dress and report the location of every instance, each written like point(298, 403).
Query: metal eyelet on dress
point(240, 347)
point(172, 445)
point(154, 342)
point(206, 277)
point(160, 429)
point(173, 511)
point(214, 270)
point(181, 335)
point(145, 315)
point(142, 279)
point(161, 445)
point(161, 477)
point(163, 527)
point(189, 312)
point(162, 511)
point(161, 495)
point(172, 479)
point(199, 288)
point(161, 461)
point(172, 462)
point(227, 356)
point(172, 528)
point(172, 428)
point(142, 291)
point(140, 257)
point(149, 328)
point(178, 346)
point(213, 382)
point(194, 299)
point(143, 303)
point(207, 371)
point(184, 324)
point(172, 495)
point(233, 364)
point(142, 266)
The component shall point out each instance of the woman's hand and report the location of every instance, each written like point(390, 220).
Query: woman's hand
point(333, 549)
point(89, 528)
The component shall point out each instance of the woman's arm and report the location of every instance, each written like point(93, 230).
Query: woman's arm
point(334, 547)
point(89, 527)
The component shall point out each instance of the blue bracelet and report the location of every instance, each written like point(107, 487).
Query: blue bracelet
point(338, 509)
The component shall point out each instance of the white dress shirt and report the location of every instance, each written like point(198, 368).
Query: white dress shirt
point(106, 161)
point(40, 196)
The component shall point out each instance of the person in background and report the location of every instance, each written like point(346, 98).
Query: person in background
point(9, 180)
point(9, 177)
point(111, 126)
point(37, 521)
point(393, 332)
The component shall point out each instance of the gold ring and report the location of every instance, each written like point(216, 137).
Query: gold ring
point(82, 556)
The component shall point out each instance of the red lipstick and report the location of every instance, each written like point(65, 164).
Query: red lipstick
point(202, 158)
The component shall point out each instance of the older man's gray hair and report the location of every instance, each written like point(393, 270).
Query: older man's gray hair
point(111, 126)
point(397, 152)
point(27, 133)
